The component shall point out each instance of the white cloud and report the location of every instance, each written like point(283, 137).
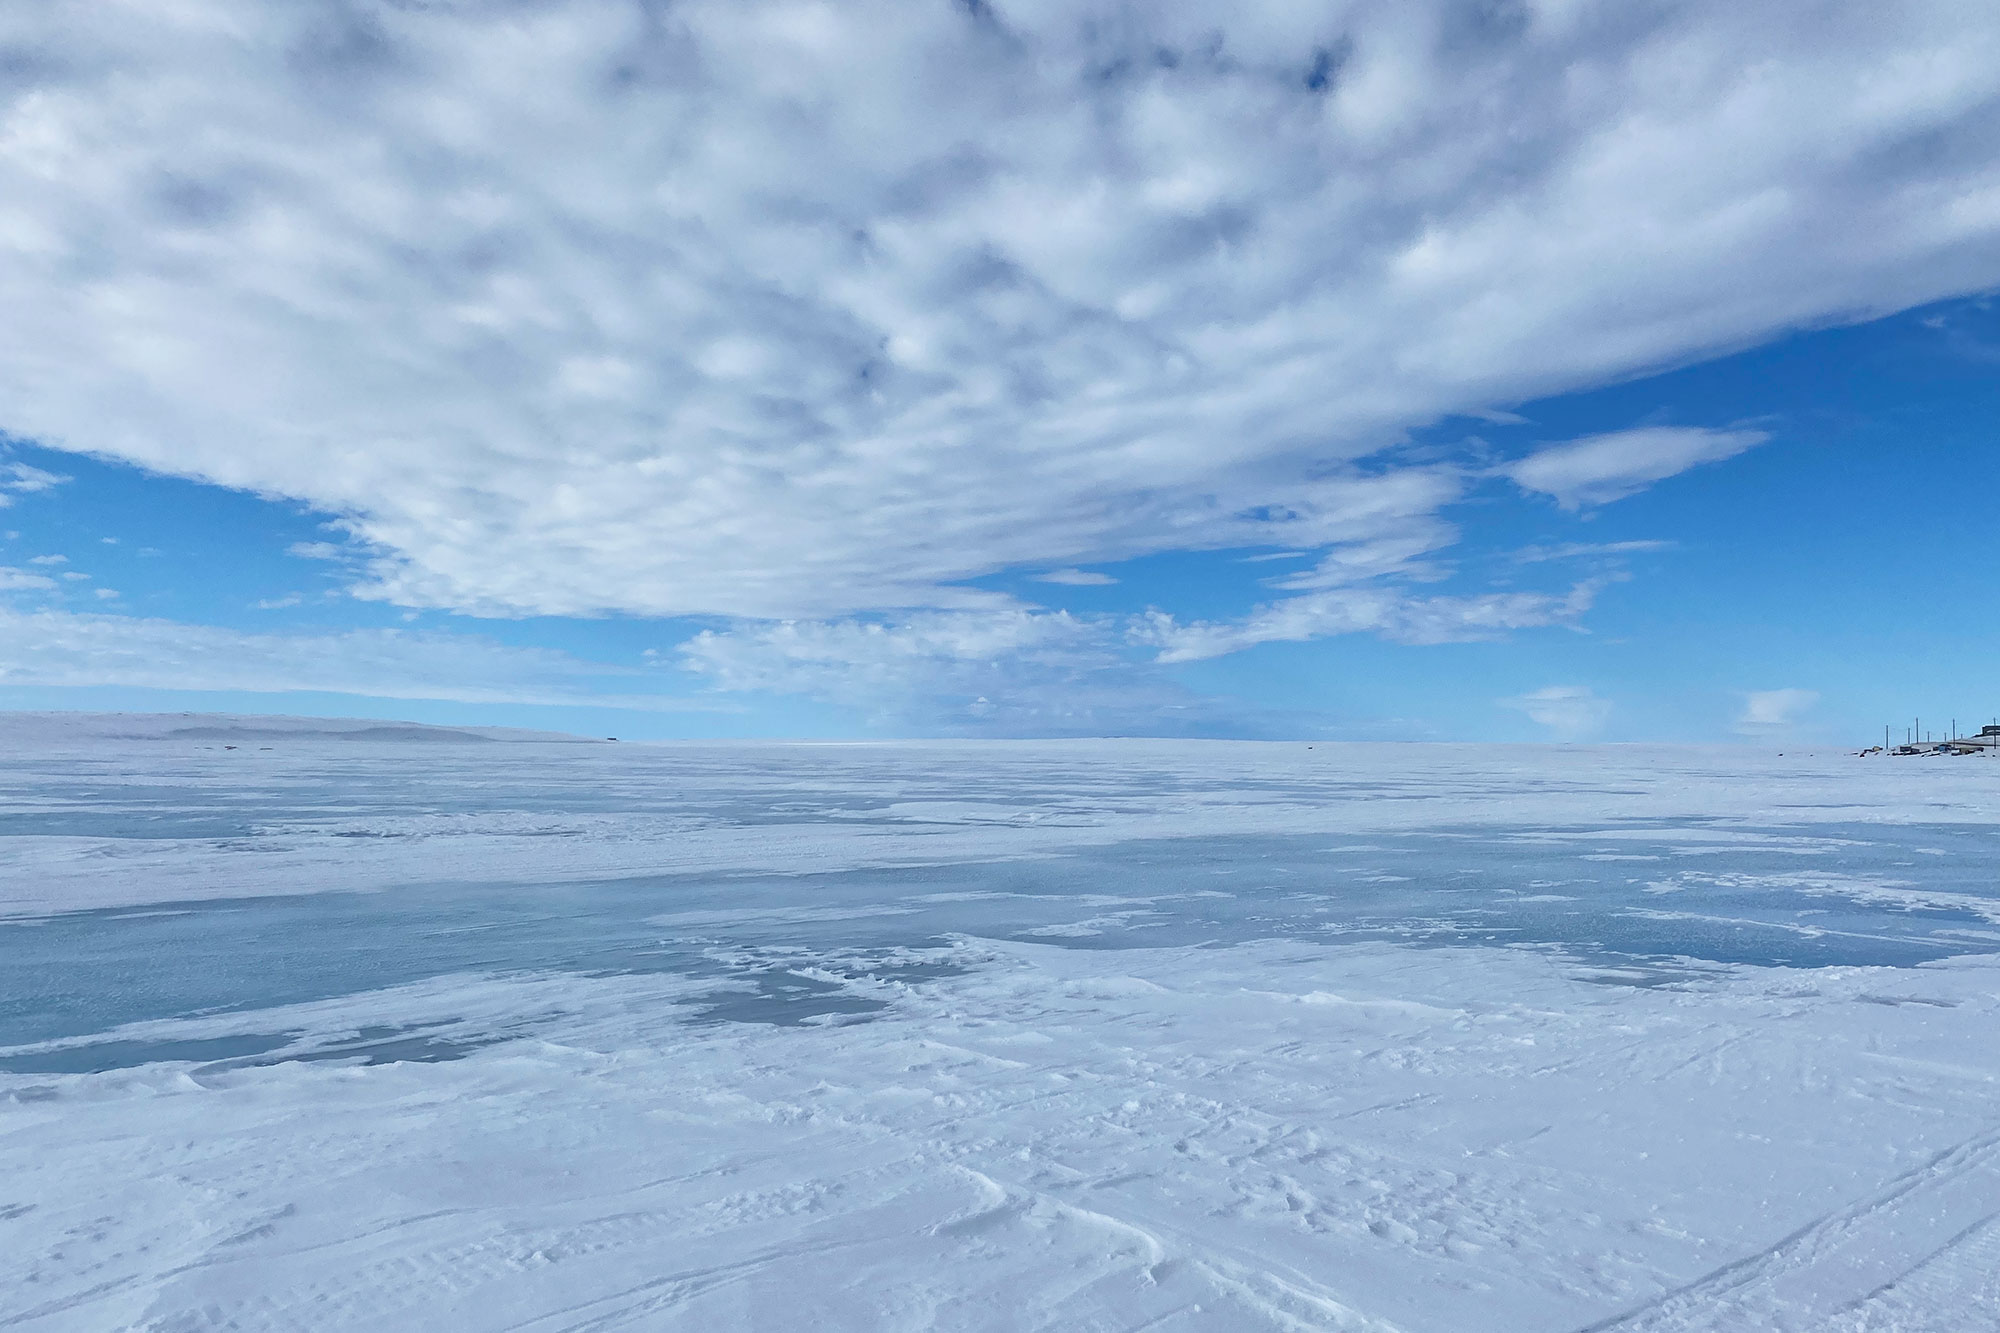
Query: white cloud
point(1076, 578)
point(859, 660)
point(1603, 468)
point(1017, 670)
point(1535, 555)
point(21, 580)
point(1012, 671)
point(63, 649)
point(1389, 612)
point(842, 305)
point(1772, 712)
point(21, 479)
point(50, 560)
point(1570, 712)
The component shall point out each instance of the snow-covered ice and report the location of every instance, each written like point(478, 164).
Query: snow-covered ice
point(348, 1029)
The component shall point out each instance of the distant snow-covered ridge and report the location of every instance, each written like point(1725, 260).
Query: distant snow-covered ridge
point(27, 729)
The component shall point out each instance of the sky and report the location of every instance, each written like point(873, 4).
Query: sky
point(1513, 371)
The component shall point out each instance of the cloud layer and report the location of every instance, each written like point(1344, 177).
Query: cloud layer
point(53, 648)
point(767, 309)
point(1009, 671)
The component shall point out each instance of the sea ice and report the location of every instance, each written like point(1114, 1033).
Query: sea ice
point(505, 1033)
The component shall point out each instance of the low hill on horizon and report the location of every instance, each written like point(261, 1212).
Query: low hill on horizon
point(26, 727)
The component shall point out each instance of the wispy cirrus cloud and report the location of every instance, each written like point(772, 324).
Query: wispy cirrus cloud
point(17, 478)
point(1602, 468)
point(1390, 612)
point(1536, 555)
point(1076, 578)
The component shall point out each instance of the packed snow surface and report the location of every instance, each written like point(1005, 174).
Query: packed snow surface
point(356, 1026)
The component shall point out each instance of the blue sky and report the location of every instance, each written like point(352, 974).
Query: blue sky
point(775, 370)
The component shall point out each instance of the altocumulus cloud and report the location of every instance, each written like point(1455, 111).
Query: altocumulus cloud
point(780, 310)
point(793, 309)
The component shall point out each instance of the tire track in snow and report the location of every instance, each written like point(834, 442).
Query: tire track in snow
point(1837, 1262)
point(1964, 1278)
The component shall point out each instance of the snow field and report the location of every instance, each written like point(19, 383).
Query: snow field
point(1126, 1109)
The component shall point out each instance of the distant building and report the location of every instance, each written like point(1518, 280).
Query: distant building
point(1986, 742)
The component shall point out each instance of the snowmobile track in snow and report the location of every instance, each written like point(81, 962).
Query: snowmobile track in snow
point(1934, 1225)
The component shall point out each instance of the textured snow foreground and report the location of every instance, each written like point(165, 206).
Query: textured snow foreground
point(384, 1032)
